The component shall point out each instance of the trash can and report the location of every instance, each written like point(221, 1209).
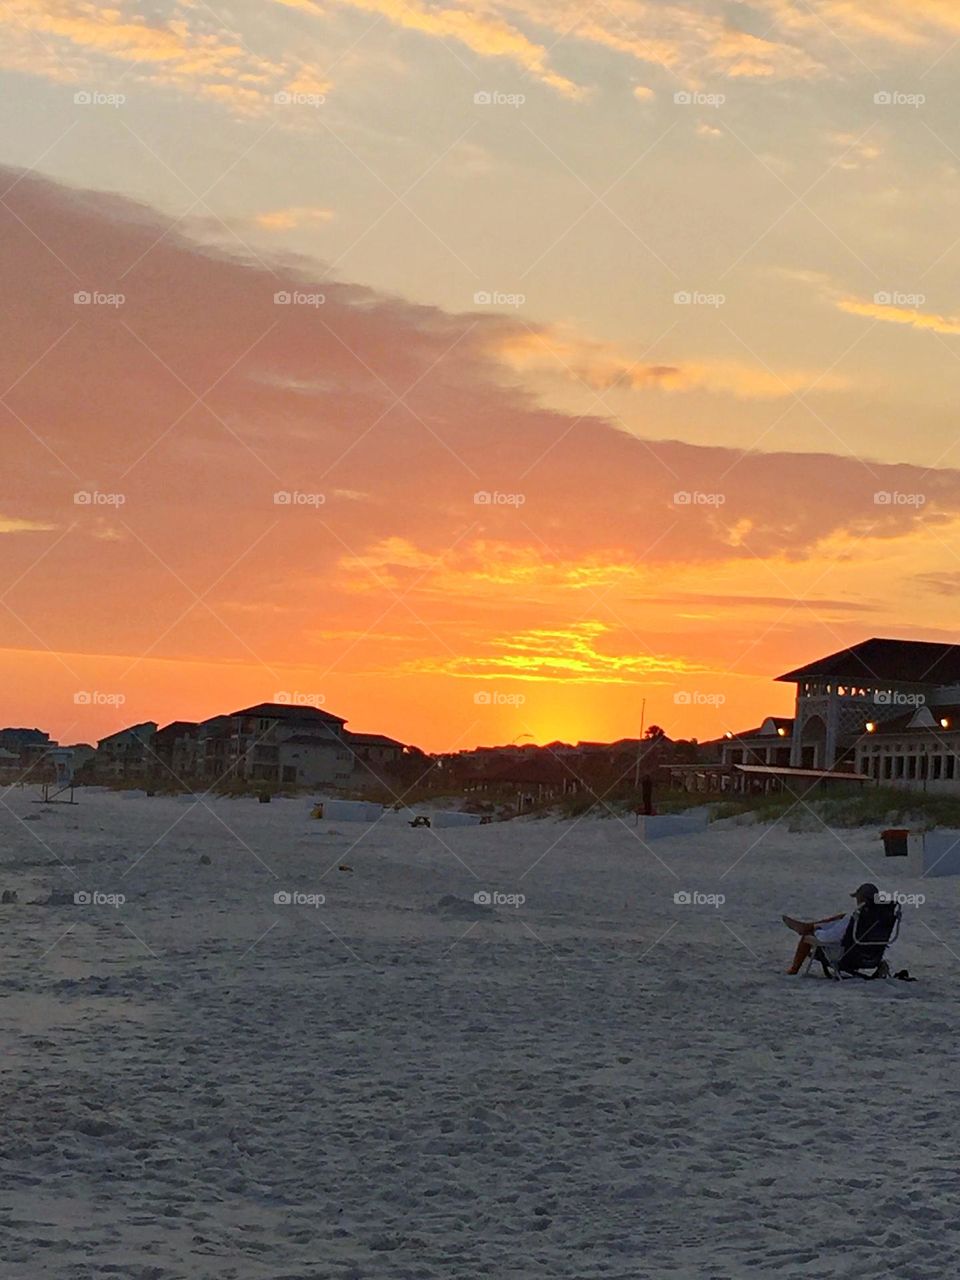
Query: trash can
point(896, 842)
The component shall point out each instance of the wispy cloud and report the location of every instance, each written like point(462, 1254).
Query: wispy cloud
point(288, 219)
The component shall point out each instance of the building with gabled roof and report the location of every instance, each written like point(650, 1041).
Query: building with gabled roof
point(874, 682)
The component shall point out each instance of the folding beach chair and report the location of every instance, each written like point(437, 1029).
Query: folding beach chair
point(870, 930)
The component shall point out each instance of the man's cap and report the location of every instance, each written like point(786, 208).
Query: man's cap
point(866, 892)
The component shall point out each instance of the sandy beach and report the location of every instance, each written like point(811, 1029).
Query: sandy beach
point(596, 1081)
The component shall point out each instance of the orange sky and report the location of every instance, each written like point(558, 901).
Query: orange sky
point(617, 393)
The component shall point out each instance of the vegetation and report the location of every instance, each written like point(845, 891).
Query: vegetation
point(852, 807)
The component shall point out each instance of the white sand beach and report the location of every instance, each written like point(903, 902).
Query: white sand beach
point(202, 1083)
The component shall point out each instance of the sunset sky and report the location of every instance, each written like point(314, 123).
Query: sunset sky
point(675, 286)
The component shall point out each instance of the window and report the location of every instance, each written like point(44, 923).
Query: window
point(950, 770)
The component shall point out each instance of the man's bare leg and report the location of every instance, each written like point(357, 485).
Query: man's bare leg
point(798, 926)
point(804, 947)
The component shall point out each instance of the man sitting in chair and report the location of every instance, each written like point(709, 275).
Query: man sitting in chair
point(830, 929)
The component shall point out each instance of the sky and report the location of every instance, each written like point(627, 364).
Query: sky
point(479, 372)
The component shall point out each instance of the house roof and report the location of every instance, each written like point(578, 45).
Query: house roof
point(898, 725)
point(287, 711)
point(311, 740)
point(145, 730)
point(778, 722)
point(178, 726)
point(371, 740)
point(781, 771)
point(877, 659)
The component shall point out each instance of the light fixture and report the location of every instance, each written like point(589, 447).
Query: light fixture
point(870, 726)
point(944, 723)
point(782, 732)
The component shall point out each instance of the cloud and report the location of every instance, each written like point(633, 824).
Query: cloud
point(237, 399)
point(16, 524)
point(81, 43)
point(288, 219)
point(482, 32)
point(603, 367)
point(890, 313)
point(942, 584)
point(571, 654)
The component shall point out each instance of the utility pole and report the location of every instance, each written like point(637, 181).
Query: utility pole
point(636, 772)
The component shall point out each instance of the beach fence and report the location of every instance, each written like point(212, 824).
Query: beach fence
point(660, 825)
point(930, 854)
point(347, 811)
point(455, 819)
